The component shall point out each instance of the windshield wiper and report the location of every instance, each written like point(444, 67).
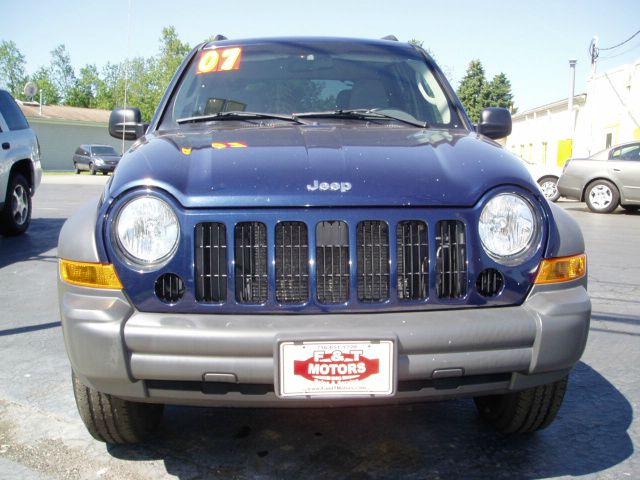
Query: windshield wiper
point(237, 115)
point(362, 114)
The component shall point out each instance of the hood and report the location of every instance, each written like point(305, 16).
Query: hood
point(313, 165)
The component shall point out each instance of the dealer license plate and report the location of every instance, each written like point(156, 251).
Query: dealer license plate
point(336, 368)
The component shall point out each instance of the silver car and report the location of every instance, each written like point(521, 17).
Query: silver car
point(606, 179)
point(20, 170)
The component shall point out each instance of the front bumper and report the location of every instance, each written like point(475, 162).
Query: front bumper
point(229, 359)
point(105, 168)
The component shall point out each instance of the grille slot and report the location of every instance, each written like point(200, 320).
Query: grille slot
point(169, 288)
point(251, 262)
point(332, 262)
point(451, 248)
point(211, 262)
point(292, 262)
point(373, 261)
point(413, 260)
point(490, 282)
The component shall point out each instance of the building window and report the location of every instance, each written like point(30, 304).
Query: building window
point(608, 140)
point(531, 151)
point(522, 150)
point(544, 153)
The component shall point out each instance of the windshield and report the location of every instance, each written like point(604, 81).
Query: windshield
point(285, 78)
point(100, 150)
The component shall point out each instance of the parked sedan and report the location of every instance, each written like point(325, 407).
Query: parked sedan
point(606, 179)
point(95, 158)
point(546, 177)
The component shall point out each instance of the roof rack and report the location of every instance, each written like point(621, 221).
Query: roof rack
point(393, 38)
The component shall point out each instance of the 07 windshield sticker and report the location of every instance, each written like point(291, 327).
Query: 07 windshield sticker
point(219, 60)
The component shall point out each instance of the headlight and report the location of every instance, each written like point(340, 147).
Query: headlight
point(147, 231)
point(509, 229)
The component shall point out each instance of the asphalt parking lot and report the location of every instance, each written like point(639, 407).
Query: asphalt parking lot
point(42, 437)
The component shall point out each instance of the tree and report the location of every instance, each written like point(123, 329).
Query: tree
point(499, 92)
point(62, 74)
point(12, 63)
point(472, 90)
point(476, 93)
point(85, 91)
point(49, 92)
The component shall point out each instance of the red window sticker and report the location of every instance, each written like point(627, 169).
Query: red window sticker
point(219, 60)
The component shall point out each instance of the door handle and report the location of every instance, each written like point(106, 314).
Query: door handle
point(6, 145)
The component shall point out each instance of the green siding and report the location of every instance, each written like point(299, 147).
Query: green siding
point(59, 140)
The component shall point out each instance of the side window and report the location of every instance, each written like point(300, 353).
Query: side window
point(615, 154)
point(630, 152)
point(11, 112)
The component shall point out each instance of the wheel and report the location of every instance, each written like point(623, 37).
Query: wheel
point(602, 196)
point(92, 169)
point(75, 165)
point(16, 215)
point(549, 187)
point(113, 420)
point(526, 411)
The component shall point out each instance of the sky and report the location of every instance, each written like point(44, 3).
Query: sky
point(529, 41)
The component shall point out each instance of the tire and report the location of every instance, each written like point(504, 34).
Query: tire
point(16, 215)
point(92, 169)
point(113, 420)
point(549, 187)
point(602, 196)
point(523, 412)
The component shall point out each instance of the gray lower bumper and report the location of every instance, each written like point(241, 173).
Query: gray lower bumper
point(166, 358)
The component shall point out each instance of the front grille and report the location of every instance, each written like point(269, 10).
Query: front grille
point(451, 249)
point(373, 261)
point(251, 262)
point(256, 267)
point(211, 262)
point(292, 262)
point(332, 262)
point(413, 260)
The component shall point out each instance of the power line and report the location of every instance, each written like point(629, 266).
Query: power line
point(618, 54)
point(621, 43)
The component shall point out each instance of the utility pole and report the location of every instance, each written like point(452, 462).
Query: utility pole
point(572, 89)
point(593, 50)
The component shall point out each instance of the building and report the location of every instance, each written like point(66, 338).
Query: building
point(607, 114)
point(61, 129)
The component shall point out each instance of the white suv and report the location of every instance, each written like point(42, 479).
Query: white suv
point(20, 170)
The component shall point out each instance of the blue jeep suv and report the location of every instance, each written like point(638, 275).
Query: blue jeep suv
point(315, 222)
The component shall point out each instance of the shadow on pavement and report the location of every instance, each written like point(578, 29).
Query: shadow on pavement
point(431, 440)
point(34, 244)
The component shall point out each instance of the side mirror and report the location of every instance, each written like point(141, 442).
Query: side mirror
point(494, 123)
point(127, 123)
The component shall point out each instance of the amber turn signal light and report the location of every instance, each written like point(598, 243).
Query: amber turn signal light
point(95, 275)
point(564, 269)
